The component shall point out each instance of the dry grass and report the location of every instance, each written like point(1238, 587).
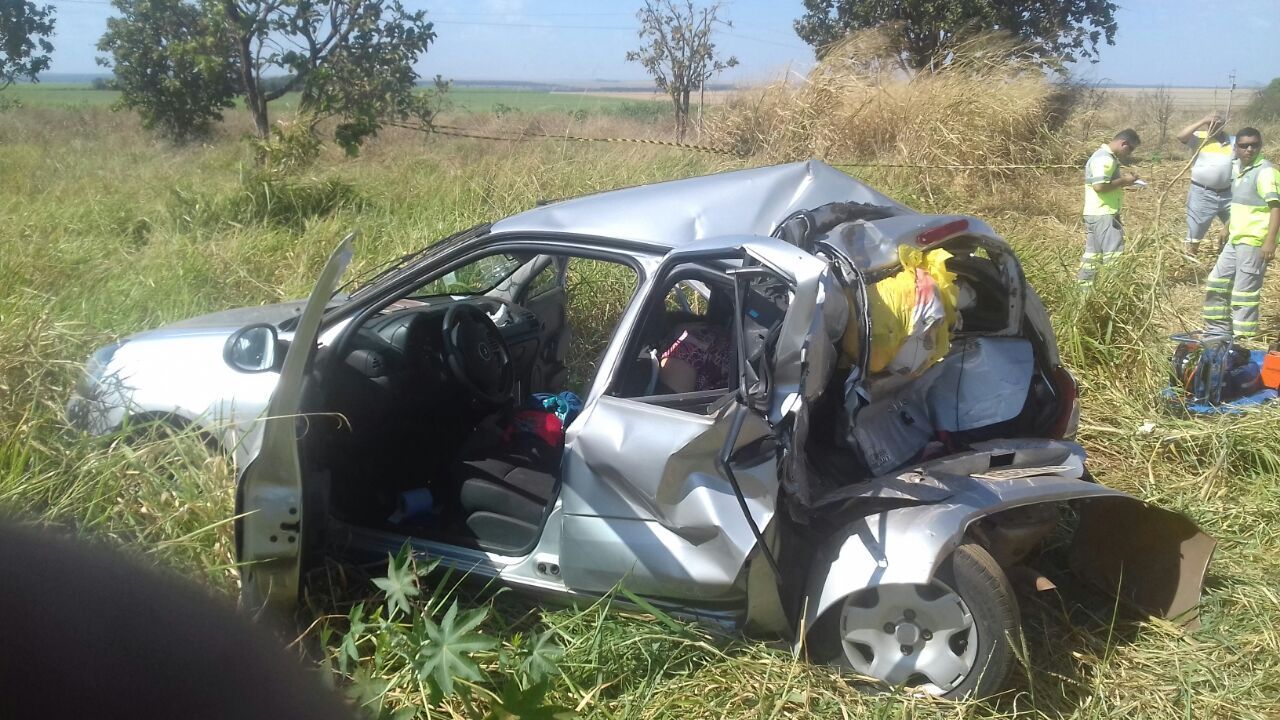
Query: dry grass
point(989, 104)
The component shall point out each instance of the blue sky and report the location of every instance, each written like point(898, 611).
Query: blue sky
point(1170, 42)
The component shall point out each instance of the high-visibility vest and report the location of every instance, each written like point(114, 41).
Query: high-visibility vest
point(1212, 167)
point(1254, 188)
point(1103, 166)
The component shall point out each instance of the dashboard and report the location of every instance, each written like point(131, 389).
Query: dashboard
point(407, 338)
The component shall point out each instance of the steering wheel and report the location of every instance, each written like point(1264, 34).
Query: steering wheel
point(477, 353)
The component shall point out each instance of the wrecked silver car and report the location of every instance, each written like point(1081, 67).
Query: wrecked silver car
point(739, 455)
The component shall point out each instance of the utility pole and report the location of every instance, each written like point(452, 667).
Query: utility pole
point(1230, 95)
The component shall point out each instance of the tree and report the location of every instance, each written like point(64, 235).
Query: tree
point(1265, 106)
point(349, 59)
point(24, 44)
point(676, 49)
point(1056, 30)
point(172, 64)
point(1157, 108)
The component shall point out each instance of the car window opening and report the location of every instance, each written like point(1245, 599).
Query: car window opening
point(685, 352)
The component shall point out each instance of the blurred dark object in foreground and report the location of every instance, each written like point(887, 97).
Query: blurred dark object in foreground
point(89, 633)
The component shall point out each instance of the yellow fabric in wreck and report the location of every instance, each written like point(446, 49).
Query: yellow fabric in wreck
point(893, 303)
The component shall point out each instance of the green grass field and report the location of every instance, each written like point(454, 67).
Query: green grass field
point(105, 231)
point(480, 100)
point(462, 100)
point(59, 94)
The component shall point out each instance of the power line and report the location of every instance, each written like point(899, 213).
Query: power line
point(525, 135)
point(795, 46)
point(765, 28)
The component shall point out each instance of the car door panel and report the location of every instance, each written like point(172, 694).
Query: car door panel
point(269, 492)
point(643, 504)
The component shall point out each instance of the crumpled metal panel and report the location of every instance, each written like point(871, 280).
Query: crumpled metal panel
point(1164, 554)
point(873, 246)
point(806, 350)
point(643, 504)
point(805, 354)
point(674, 214)
point(642, 499)
point(905, 545)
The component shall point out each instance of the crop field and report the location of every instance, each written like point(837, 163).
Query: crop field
point(460, 100)
point(105, 231)
point(1200, 100)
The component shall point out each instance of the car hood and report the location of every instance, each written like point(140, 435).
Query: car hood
point(226, 321)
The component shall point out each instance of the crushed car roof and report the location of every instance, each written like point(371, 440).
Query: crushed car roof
point(676, 213)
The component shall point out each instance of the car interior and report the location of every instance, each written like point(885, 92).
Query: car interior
point(429, 390)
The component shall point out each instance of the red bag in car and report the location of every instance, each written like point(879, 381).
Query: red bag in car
point(541, 424)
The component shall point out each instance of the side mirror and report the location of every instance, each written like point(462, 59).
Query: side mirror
point(252, 349)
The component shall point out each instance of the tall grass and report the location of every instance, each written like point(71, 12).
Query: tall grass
point(104, 231)
point(987, 104)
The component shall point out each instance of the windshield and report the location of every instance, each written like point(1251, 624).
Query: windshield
point(474, 278)
point(363, 281)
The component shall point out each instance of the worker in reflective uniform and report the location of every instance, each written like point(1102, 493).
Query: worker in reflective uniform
point(1210, 193)
point(1103, 195)
point(1235, 284)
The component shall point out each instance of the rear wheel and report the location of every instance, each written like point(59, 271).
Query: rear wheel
point(951, 638)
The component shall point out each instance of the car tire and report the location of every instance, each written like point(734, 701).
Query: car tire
point(969, 599)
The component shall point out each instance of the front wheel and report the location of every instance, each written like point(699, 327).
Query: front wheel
point(952, 638)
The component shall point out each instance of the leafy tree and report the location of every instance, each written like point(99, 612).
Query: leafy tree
point(923, 29)
point(171, 64)
point(24, 44)
point(676, 49)
point(349, 59)
point(1265, 106)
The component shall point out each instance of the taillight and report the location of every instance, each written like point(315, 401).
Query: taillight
point(1068, 418)
point(942, 232)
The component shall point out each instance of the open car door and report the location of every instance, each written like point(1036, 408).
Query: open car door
point(269, 492)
